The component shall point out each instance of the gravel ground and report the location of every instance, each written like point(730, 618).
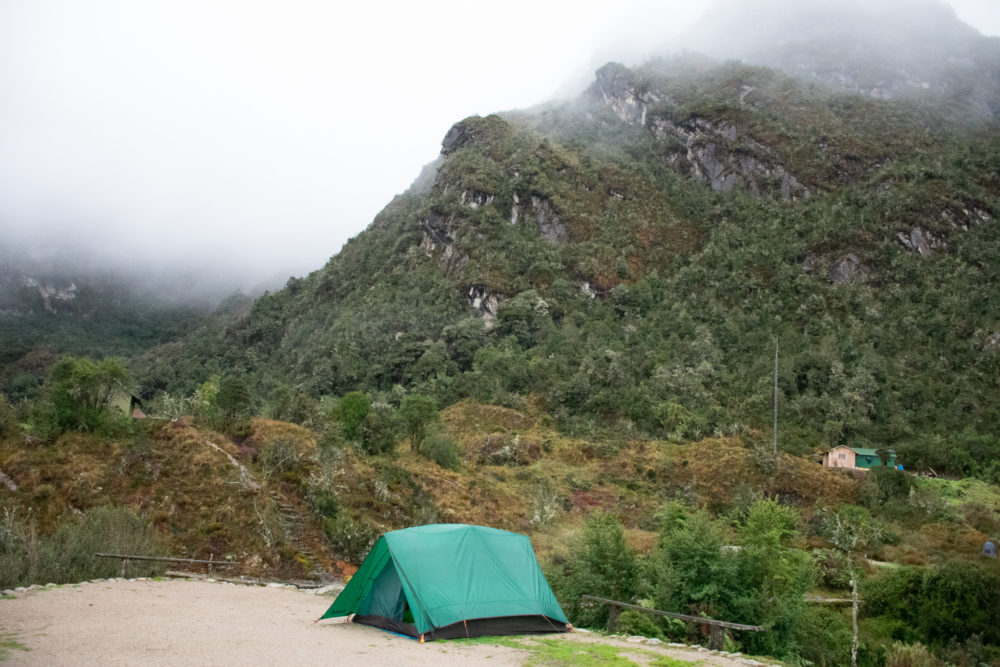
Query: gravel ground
point(139, 622)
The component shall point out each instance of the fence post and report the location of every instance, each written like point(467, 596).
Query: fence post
point(613, 612)
point(717, 638)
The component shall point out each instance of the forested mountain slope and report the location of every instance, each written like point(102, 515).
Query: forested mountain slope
point(630, 259)
point(64, 304)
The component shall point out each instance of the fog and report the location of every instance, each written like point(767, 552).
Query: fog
point(252, 139)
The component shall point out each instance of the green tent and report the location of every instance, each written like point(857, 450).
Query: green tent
point(451, 580)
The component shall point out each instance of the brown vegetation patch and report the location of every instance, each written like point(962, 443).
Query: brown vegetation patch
point(716, 469)
point(592, 499)
point(468, 416)
point(191, 492)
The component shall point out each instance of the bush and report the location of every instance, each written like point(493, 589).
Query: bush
point(545, 502)
point(8, 418)
point(351, 411)
point(907, 655)
point(602, 564)
point(377, 432)
point(417, 412)
point(68, 555)
point(950, 603)
point(278, 457)
point(823, 637)
point(632, 622)
point(960, 599)
point(441, 447)
point(18, 549)
point(882, 485)
point(107, 529)
point(507, 449)
point(349, 539)
point(295, 406)
point(79, 391)
point(833, 568)
point(325, 504)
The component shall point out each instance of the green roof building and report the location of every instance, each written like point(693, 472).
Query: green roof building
point(856, 458)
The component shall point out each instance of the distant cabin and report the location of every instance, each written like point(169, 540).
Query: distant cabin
point(854, 458)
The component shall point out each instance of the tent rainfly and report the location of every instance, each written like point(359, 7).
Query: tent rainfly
point(451, 580)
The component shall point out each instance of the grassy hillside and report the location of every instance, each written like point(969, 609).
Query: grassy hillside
point(288, 502)
point(263, 502)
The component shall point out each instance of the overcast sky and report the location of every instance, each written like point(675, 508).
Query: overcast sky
point(262, 135)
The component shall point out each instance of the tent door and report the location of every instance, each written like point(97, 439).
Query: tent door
point(386, 597)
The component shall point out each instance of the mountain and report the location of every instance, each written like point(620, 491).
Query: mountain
point(894, 49)
point(58, 304)
point(629, 260)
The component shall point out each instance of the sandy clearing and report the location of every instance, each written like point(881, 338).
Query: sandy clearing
point(202, 623)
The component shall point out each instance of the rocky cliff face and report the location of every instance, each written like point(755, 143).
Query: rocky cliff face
point(721, 154)
point(23, 292)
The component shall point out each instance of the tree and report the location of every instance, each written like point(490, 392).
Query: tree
point(851, 529)
point(771, 578)
point(377, 431)
point(603, 565)
point(762, 582)
point(351, 412)
point(417, 412)
point(234, 399)
point(80, 390)
point(689, 570)
point(235, 406)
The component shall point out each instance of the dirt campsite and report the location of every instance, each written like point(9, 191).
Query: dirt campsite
point(182, 622)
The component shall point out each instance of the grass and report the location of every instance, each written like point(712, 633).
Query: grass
point(9, 643)
point(558, 652)
point(961, 491)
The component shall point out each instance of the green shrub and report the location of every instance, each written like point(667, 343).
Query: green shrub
point(107, 529)
point(325, 504)
point(417, 412)
point(833, 568)
point(545, 503)
point(351, 411)
point(883, 485)
point(350, 539)
point(601, 564)
point(441, 447)
point(632, 622)
point(68, 555)
point(377, 432)
point(78, 394)
point(823, 637)
point(8, 418)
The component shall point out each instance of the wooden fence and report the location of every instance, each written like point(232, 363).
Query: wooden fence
point(717, 632)
point(125, 558)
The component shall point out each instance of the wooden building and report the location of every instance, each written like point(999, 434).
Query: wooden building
point(855, 458)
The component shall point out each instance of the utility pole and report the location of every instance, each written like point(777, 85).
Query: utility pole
point(775, 396)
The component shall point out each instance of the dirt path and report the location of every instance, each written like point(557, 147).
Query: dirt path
point(200, 623)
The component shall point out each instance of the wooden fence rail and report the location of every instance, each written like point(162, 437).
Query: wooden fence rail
point(718, 628)
point(125, 558)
